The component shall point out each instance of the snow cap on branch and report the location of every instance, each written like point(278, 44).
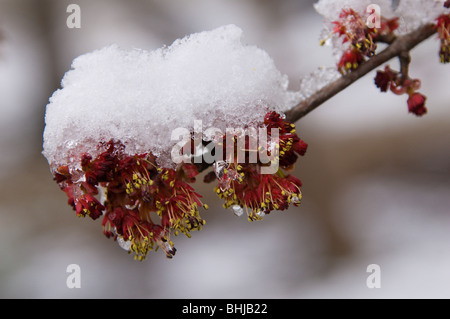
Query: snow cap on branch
point(139, 97)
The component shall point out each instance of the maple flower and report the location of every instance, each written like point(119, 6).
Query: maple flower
point(243, 186)
point(443, 29)
point(361, 39)
point(387, 27)
point(398, 84)
point(383, 79)
point(142, 205)
point(353, 29)
point(135, 191)
point(350, 60)
point(416, 104)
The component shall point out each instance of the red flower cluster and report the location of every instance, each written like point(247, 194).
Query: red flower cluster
point(443, 29)
point(142, 204)
point(243, 186)
point(135, 190)
point(398, 84)
point(362, 39)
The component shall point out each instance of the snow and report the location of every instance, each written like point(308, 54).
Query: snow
point(412, 14)
point(138, 97)
point(238, 211)
point(318, 80)
point(331, 9)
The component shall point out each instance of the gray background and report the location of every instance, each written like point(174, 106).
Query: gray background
point(376, 179)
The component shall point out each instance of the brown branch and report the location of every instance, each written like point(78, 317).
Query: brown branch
point(399, 47)
point(405, 60)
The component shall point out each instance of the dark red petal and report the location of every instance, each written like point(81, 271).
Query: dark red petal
point(300, 147)
point(382, 81)
point(416, 104)
point(210, 177)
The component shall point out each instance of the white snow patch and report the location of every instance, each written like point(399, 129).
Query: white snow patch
point(139, 97)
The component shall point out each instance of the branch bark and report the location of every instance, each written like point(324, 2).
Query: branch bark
point(397, 48)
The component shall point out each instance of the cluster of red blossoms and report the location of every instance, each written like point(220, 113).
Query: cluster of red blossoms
point(361, 38)
point(245, 187)
point(134, 188)
point(399, 84)
point(142, 204)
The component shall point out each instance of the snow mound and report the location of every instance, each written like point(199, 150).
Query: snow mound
point(139, 97)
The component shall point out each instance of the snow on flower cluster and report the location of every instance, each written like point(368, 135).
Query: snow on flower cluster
point(410, 15)
point(108, 136)
point(354, 29)
point(138, 97)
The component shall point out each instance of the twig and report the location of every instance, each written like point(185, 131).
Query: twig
point(397, 48)
point(405, 60)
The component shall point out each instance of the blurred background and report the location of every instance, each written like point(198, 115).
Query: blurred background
point(376, 179)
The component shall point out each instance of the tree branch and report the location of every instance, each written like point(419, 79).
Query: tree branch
point(397, 48)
